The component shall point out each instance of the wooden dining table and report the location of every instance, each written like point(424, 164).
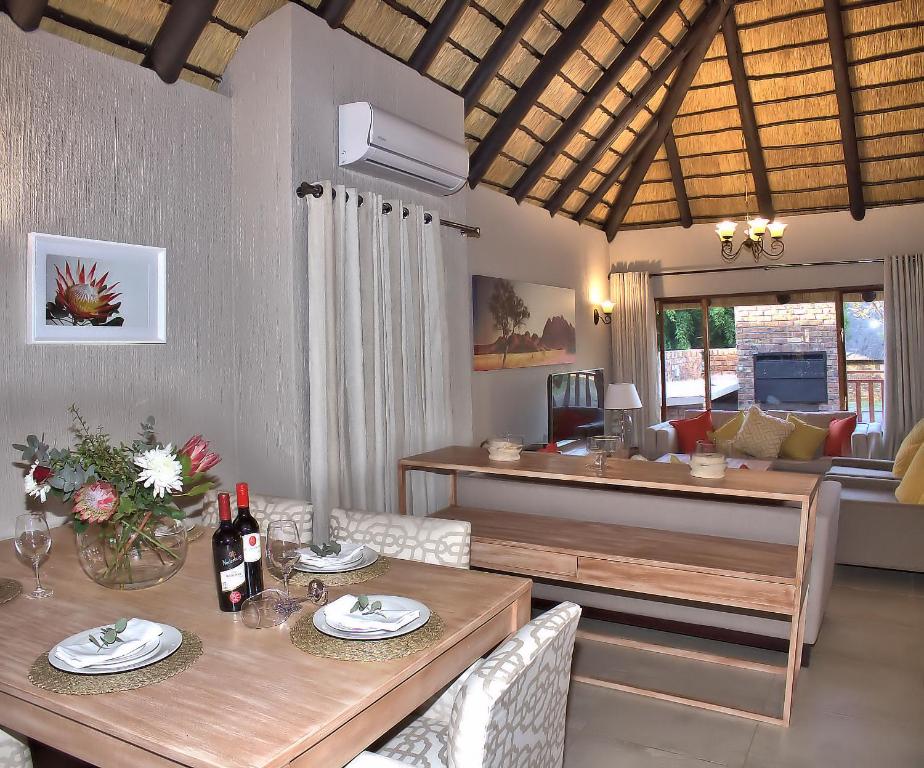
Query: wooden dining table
point(252, 700)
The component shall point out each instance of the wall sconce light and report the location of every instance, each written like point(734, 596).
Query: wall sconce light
point(604, 314)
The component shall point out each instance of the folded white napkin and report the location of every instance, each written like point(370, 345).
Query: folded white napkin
point(349, 554)
point(138, 632)
point(338, 616)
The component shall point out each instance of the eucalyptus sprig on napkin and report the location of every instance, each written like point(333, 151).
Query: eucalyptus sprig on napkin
point(364, 607)
point(325, 550)
point(110, 635)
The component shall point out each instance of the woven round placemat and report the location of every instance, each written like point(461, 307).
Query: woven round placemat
point(306, 637)
point(43, 675)
point(301, 578)
point(9, 588)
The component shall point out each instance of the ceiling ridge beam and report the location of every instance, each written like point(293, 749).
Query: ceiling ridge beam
point(845, 109)
point(533, 87)
point(437, 33)
point(595, 97)
point(510, 35)
point(334, 12)
point(26, 14)
point(748, 118)
point(177, 36)
point(680, 189)
point(627, 114)
point(622, 165)
point(669, 107)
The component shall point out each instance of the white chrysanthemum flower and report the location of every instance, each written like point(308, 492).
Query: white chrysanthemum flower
point(160, 468)
point(36, 490)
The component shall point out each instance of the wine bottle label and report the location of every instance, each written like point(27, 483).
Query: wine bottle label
point(252, 550)
point(232, 578)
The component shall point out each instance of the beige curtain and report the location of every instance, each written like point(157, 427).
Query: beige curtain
point(904, 323)
point(635, 345)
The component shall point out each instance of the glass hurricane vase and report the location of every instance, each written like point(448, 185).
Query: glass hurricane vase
point(118, 556)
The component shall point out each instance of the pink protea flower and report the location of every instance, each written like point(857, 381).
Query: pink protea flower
point(201, 459)
point(96, 502)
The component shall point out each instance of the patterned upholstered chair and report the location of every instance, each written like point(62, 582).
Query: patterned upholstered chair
point(505, 711)
point(425, 539)
point(265, 509)
point(14, 751)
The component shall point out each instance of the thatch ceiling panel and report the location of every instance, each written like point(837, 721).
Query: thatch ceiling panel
point(620, 16)
point(655, 192)
point(517, 66)
point(601, 45)
point(807, 30)
point(713, 142)
point(634, 76)
point(522, 147)
point(660, 170)
point(581, 70)
point(729, 184)
point(500, 9)
point(540, 122)
point(563, 11)
point(560, 96)
point(889, 96)
point(809, 108)
point(714, 121)
point(711, 72)
point(717, 49)
point(790, 86)
point(603, 167)
point(800, 178)
point(715, 208)
point(905, 67)
point(877, 16)
point(890, 122)
point(892, 145)
point(575, 200)
point(451, 67)
point(426, 8)
point(764, 10)
point(899, 168)
point(470, 144)
point(789, 156)
point(674, 29)
point(578, 146)
point(562, 166)
point(707, 99)
point(652, 212)
point(387, 28)
point(139, 20)
point(504, 172)
point(96, 43)
point(788, 60)
point(214, 48)
point(474, 32)
point(544, 189)
point(902, 191)
point(478, 123)
point(244, 14)
point(541, 34)
point(656, 51)
point(597, 122)
point(800, 133)
point(711, 165)
point(795, 202)
point(623, 141)
point(892, 41)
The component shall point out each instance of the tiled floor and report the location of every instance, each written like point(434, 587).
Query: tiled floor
point(859, 705)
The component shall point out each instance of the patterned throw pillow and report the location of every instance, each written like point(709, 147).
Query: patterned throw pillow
point(762, 436)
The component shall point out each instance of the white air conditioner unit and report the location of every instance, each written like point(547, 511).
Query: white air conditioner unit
point(377, 143)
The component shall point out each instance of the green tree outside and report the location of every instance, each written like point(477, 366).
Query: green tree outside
point(683, 328)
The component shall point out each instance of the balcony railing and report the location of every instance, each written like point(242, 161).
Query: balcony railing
point(866, 389)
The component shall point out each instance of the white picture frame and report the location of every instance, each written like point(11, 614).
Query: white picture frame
point(122, 298)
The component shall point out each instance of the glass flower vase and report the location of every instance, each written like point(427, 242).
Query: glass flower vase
point(118, 556)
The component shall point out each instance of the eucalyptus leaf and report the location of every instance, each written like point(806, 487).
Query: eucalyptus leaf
point(121, 624)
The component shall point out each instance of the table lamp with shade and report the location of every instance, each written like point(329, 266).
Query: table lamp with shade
point(622, 398)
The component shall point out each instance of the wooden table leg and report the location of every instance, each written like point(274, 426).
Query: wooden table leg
point(402, 489)
point(453, 489)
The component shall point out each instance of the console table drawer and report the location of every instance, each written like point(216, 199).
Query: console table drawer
point(501, 557)
point(687, 585)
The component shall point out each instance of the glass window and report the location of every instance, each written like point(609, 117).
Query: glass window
point(684, 366)
point(864, 348)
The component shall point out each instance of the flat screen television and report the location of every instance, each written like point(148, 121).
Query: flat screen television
point(575, 404)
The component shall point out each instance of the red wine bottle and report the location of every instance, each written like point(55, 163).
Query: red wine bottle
point(228, 556)
point(249, 530)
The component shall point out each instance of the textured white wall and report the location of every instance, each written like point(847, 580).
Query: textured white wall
point(91, 146)
point(816, 238)
point(524, 243)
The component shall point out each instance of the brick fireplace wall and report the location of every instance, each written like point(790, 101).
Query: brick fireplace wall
point(785, 328)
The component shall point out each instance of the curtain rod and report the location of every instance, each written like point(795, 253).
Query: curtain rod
point(317, 190)
point(764, 267)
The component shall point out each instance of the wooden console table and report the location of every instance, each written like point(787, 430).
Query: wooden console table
point(722, 572)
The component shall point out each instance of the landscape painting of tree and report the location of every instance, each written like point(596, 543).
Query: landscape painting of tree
point(518, 324)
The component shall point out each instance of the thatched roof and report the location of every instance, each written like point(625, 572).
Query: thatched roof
point(557, 117)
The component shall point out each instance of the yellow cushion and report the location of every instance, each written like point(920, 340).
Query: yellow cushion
point(805, 441)
point(911, 489)
point(908, 449)
point(729, 429)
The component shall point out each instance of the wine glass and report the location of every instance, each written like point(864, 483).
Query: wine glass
point(33, 542)
point(282, 545)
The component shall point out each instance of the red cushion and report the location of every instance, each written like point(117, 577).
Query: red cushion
point(689, 431)
point(837, 443)
point(550, 448)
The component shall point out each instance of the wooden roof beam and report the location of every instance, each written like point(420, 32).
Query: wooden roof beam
point(718, 12)
point(845, 110)
point(622, 165)
point(334, 12)
point(748, 120)
point(528, 94)
point(594, 98)
point(26, 14)
point(500, 49)
point(177, 37)
point(437, 34)
point(680, 189)
point(701, 28)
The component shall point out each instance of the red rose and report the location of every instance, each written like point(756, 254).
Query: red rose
point(41, 474)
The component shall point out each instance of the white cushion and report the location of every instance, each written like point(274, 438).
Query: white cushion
point(762, 435)
point(425, 539)
point(14, 751)
point(424, 743)
point(266, 509)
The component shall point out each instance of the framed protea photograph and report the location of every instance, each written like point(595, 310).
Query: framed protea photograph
point(95, 292)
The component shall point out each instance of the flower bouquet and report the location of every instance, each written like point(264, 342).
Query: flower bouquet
point(129, 527)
